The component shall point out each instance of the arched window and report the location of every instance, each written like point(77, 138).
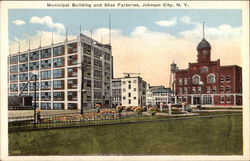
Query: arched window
point(211, 78)
point(196, 79)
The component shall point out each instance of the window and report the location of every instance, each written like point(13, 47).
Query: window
point(97, 53)
point(199, 89)
point(124, 98)
point(208, 89)
point(72, 83)
point(72, 72)
point(134, 81)
point(33, 95)
point(214, 89)
point(46, 74)
point(134, 98)
point(46, 106)
point(87, 83)
point(129, 86)
point(23, 77)
point(32, 86)
point(34, 55)
point(46, 64)
point(228, 99)
point(180, 81)
point(13, 77)
point(72, 106)
point(185, 81)
point(72, 48)
point(13, 87)
point(124, 82)
point(106, 66)
point(13, 59)
point(134, 89)
point(23, 67)
point(58, 106)
point(46, 85)
point(107, 76)
point(207, 99)
point(222, 79)
point(46, 53)
point(221, 89)
point(58, 96)
point(193, 90)
point(86, 49)
point(45, 96)
point(124, 90)
point(87, 59)
point(196, 79)
point(129, 94)
point(13, 69)
point(228, 88)
point(211, 78)
point(204, 69)
point(98, 73)
point(129, 101)
point(34, 65)
point(97, 95)
point(228, 78)
point(97, 63)
point(58, 84)
point(97, 84)
point(58, 62)
point(23, 58)
point(221, 99)
point(58, 50)
point(180, 90)
point(58, 73)
point(72, 60)
point(106, 56)
point(185, 90)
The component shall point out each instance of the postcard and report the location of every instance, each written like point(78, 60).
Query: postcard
point(124, 80)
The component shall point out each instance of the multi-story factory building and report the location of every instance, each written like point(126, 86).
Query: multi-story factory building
point(61, 69)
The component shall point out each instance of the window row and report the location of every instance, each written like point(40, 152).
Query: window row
point(209, 89)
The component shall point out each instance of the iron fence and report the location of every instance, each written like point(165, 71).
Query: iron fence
point(52, 121)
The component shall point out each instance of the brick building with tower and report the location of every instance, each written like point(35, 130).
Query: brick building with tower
point(206, 82)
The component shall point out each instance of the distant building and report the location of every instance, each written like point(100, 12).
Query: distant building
point(157, 95)
point(206, 82)
point(116, 92)
point(60, 75)
point(132, 91)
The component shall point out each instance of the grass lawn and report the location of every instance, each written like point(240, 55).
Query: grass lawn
point(213, 136)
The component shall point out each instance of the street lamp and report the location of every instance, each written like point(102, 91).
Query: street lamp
point(35, 115)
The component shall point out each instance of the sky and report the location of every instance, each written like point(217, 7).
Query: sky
point(146, 41)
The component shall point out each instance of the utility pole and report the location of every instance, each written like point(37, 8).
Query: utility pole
point(82, 86)
point(35, 115)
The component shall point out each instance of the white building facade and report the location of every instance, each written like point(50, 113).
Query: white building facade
point(157, 95)
point(133, 91)
point(59, 67)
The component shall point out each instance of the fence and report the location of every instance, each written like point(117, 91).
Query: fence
point(52, 121)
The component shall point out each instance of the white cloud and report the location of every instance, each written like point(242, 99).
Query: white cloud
point(187, 20)
point(167, 23)
point(48, 21)
point(223, 31)
point(18, 22)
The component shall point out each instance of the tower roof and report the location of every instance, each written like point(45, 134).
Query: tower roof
point(203, 45)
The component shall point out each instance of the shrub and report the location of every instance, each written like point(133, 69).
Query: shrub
point(152, 110)
point(138, 110)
